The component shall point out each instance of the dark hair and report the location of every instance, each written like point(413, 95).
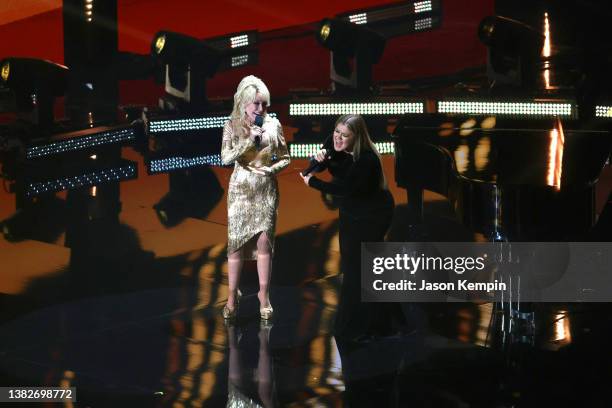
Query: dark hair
point(356, 124)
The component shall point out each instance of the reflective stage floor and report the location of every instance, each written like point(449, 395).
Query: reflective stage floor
point(127, 309)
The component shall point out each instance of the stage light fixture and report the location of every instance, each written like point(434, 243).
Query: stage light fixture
point(187, 62)
point(81, 140)
point(229, 44)
point(367, 108)
point(346, 40)
point(510, 108)
point(359, 18)
point(6, 70)
point(30, 75)
point(36, 83)
point(178, 162)
point(156, 126)
point(308, 150)
point(125, 171)
point(389, 12)
point(603, 111)
point(513, 51)
point(240, 60)
point(160, 42)
point(422, 6)
point(423, 24)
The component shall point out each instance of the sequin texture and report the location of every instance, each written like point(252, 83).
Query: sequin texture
point(252, 201)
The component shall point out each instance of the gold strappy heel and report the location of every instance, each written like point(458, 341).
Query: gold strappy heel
point(230, 314)
point(266, 313)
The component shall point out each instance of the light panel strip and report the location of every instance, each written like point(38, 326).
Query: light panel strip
point(375, 108)
point(603, 111)
point(175, 163)
point(81, 142)
point(308, 150)
point(361, 18)
point(87, 179)
point(240, 60)
point(506, 108)
point(422, 6)
point(174, 125)
point(423, 24)
point(239, 41)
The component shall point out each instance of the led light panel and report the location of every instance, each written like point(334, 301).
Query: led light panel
point(375, 108)
point(174, 125)
point(93, 178)
point(602, 111)
point(507, 108)
point(175, 163)
point(81, 142)
point(308, 150)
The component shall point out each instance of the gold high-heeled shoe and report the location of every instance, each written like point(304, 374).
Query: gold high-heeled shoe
point(230, 314)
point(266, 312)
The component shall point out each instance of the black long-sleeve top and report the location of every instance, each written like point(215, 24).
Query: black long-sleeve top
point(358, 183)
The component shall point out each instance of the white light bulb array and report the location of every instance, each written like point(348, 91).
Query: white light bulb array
point(79, 143)
point(175, 163)
point(88, 10)
point(361, 18)
point(423, 24)
point(240, 60)
point(375, 108)
point(385, 147)
point(88, 179)
point(422, 6)
point(239, 41)
point(174, 125)
point(506, 108)
point(602, 111)
point(303, 150)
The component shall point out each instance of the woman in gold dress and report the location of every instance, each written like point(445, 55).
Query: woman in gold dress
point(258, 153)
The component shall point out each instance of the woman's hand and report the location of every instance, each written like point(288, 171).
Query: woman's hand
point(262, 171)
point(256, 134)
point(320, 156)
point(306, 178)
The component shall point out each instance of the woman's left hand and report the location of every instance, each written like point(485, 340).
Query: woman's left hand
point(306, 178)
point(262, 171)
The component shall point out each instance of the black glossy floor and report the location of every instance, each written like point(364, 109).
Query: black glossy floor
point(129, 313)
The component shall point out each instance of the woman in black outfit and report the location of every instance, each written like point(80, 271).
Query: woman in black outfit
point(366, 209)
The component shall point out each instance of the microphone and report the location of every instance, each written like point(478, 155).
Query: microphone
point(314, 165)
point(259, 123)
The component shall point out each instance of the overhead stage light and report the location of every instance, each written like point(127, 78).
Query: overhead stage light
point(389, 12)
point(346, 40)
point(36, 83)
point(187, 61)
point(231, 43)
point(513, 51)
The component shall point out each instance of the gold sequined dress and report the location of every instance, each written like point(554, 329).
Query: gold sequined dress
point(252, 200)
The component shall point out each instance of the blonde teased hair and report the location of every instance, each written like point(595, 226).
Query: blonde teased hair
point(247, 91)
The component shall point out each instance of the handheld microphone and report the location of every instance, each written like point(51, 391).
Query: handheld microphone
point(259, 123)
point(314, 165)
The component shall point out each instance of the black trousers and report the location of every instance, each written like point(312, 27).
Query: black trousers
point(355, 318)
